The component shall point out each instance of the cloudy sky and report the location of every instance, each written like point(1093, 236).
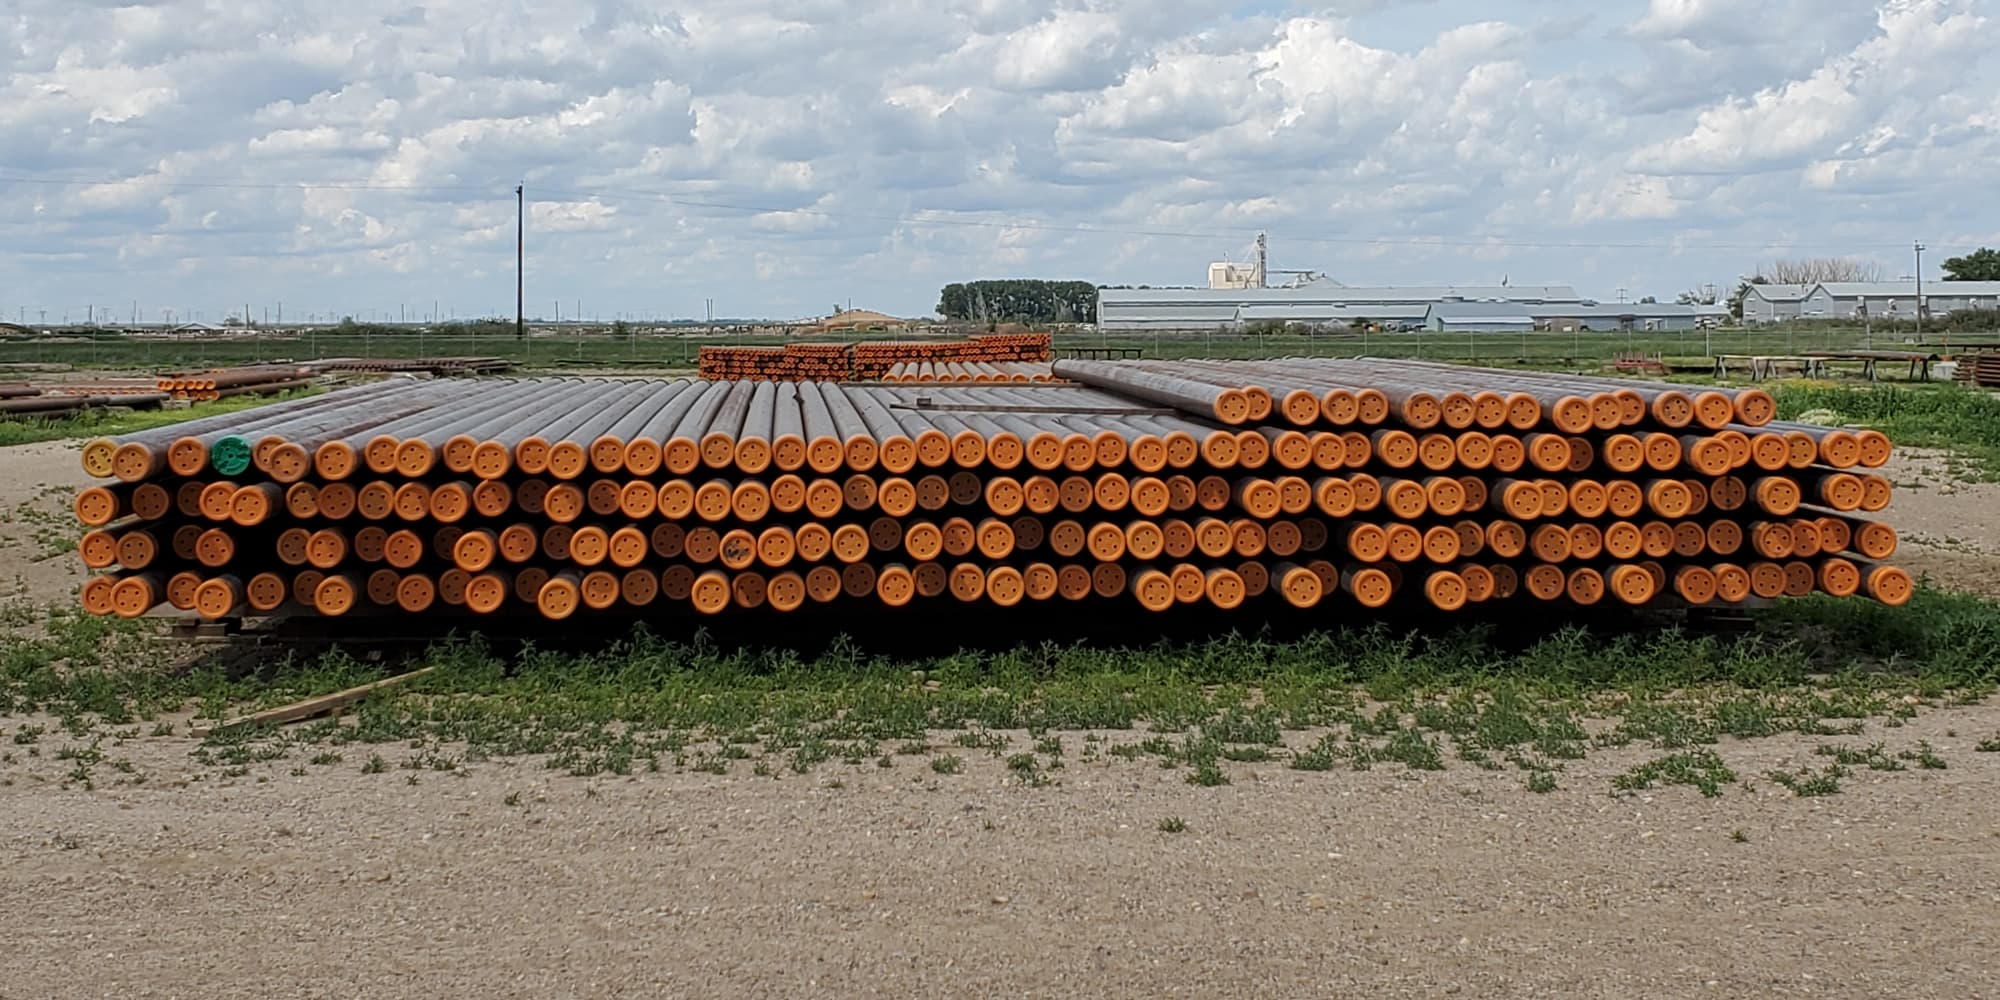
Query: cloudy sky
point(779, 156)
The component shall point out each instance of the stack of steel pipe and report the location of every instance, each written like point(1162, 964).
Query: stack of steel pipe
point(1980, 370)
point(61, 401)
point(1339, 486)
point(877, 361)
point(434, 366)
point(969, 371)
point(1584, 489)
point(790, 363)
point(222, 383)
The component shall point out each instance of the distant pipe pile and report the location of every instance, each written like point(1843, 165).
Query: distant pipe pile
point(1343, 485)
point(869, 362)
point(433, 366)
point(221, 383)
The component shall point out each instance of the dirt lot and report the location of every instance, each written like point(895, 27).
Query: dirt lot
point(513, 880)
point(905, 883)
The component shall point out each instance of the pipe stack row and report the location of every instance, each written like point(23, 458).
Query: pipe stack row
point(222, 383)
point(1981, 370)
point(969, 371)
point(62, 402)
point(1596, 487)
point(1342, 486)
point(431, 366)
point(874, 360)
point(870, 361)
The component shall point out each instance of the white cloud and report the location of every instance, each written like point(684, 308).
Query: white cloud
point(780, 154)
point(1917, 55)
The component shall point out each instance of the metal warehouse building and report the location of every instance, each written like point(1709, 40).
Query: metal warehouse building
point(1897, 299)
point(1479, 317)
point(1774, 303)
point(1321, 303)
point(1621, 316)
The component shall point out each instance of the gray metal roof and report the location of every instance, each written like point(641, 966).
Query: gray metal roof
point(1889, 289)
point(1481, 312)
point(1327, 294)
point(1781, 293)
point(1617, 310)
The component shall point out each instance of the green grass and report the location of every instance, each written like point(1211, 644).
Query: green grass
point(1702, 769)
point(1807, 783)
point(1965, 422)
point(1215, 710)
point(680, 349)
point(98, 423)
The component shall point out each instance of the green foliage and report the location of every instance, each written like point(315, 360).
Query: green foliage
point(1743, 290)
point(1026, 300)
point(1369, 697)
point(1874, 757)
point(1963, 420)
point(1982, 264)
point(1173, 824)
point(1807, 783)
point(1699, 768)
point(1924, 756)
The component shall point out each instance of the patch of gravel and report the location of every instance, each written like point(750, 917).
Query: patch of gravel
point(859, 881)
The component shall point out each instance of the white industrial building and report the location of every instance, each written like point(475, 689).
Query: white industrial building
point(1896, 299)
point(1622, 316)
point(1479, 317)
point(1774, 303)
point(1313, 303)
point(1875, 299)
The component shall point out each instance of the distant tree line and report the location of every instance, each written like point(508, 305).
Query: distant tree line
point(1982, 264)
point(1019, 300)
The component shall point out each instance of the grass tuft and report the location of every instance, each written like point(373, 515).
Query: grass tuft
point(1699, 768)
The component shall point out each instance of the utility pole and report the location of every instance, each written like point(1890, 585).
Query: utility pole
point(521, 233)
point(1920, 292)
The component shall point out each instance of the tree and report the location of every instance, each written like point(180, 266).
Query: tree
point(1020, 299)
point(1648, 300)
point(1704, 296)
point(1982, 264)
point(1743, 291)
point(1813, 270)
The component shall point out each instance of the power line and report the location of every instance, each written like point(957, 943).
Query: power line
point(242, 185)
point(930, 218)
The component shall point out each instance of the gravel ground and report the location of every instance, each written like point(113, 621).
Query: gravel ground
point(867, 882)
point(37, 486)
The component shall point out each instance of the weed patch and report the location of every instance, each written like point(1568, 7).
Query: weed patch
point(1701, 769)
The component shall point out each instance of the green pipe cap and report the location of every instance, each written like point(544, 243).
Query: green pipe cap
point(230, 456)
